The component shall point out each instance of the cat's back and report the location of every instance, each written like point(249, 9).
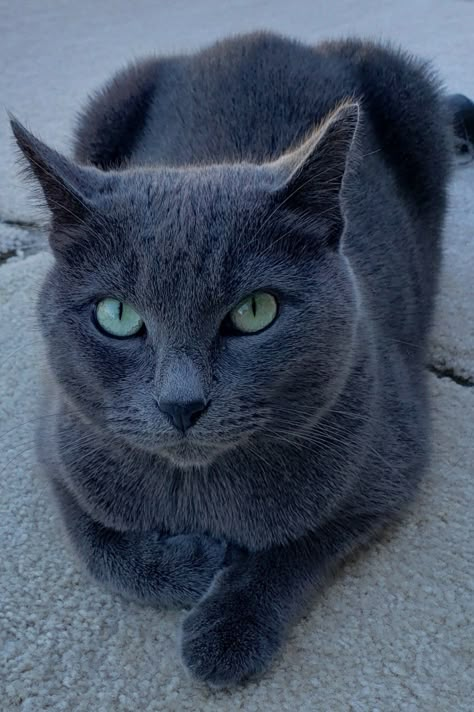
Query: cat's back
point(251, 97)
point(242, 98)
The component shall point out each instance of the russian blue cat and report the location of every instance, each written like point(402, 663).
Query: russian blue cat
point(247, 244)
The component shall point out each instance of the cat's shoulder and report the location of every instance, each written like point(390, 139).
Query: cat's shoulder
point(399, 93)
point(113, 118)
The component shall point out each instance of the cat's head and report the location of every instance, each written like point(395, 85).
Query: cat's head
point(191, 311)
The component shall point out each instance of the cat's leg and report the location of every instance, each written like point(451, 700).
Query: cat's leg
point(238, 627)
point(143, 566)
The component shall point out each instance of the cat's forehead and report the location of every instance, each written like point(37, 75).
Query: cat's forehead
point(212, 197)
point(185, 238)
point(193, 219)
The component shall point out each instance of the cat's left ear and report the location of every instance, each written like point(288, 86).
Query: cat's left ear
point(310, 178)
point(67, 188)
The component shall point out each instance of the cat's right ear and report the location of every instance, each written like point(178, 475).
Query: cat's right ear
point(68, 189)
point(310, 178)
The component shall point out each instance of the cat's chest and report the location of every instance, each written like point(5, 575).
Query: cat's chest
point(239, 499)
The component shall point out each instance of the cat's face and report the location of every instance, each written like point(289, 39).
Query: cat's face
point(179, 251)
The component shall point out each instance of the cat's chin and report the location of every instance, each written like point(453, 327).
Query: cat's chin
point(187, 456)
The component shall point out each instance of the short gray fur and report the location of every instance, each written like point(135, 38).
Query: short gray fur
point(198, 180)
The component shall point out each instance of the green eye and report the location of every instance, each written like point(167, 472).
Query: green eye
point(117, 318)
point(254, 313)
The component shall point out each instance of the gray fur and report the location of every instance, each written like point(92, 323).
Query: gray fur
point(318, 174)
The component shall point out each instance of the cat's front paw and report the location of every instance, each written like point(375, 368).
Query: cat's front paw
point(226, 640)
point(194, 562)
point(178, 570)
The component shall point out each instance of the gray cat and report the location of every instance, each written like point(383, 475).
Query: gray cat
point(247, 249)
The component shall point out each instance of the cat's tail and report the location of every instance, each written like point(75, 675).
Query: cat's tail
point(462, 112)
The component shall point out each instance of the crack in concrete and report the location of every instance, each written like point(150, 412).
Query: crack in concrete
point(19, 236)
point(4, 256)
point(21, 224)
point(452, 375)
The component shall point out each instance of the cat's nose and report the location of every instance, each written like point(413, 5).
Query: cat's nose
point(183, 415)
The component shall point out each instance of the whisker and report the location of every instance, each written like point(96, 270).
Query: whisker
point(20, 348)
point(30, 448)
